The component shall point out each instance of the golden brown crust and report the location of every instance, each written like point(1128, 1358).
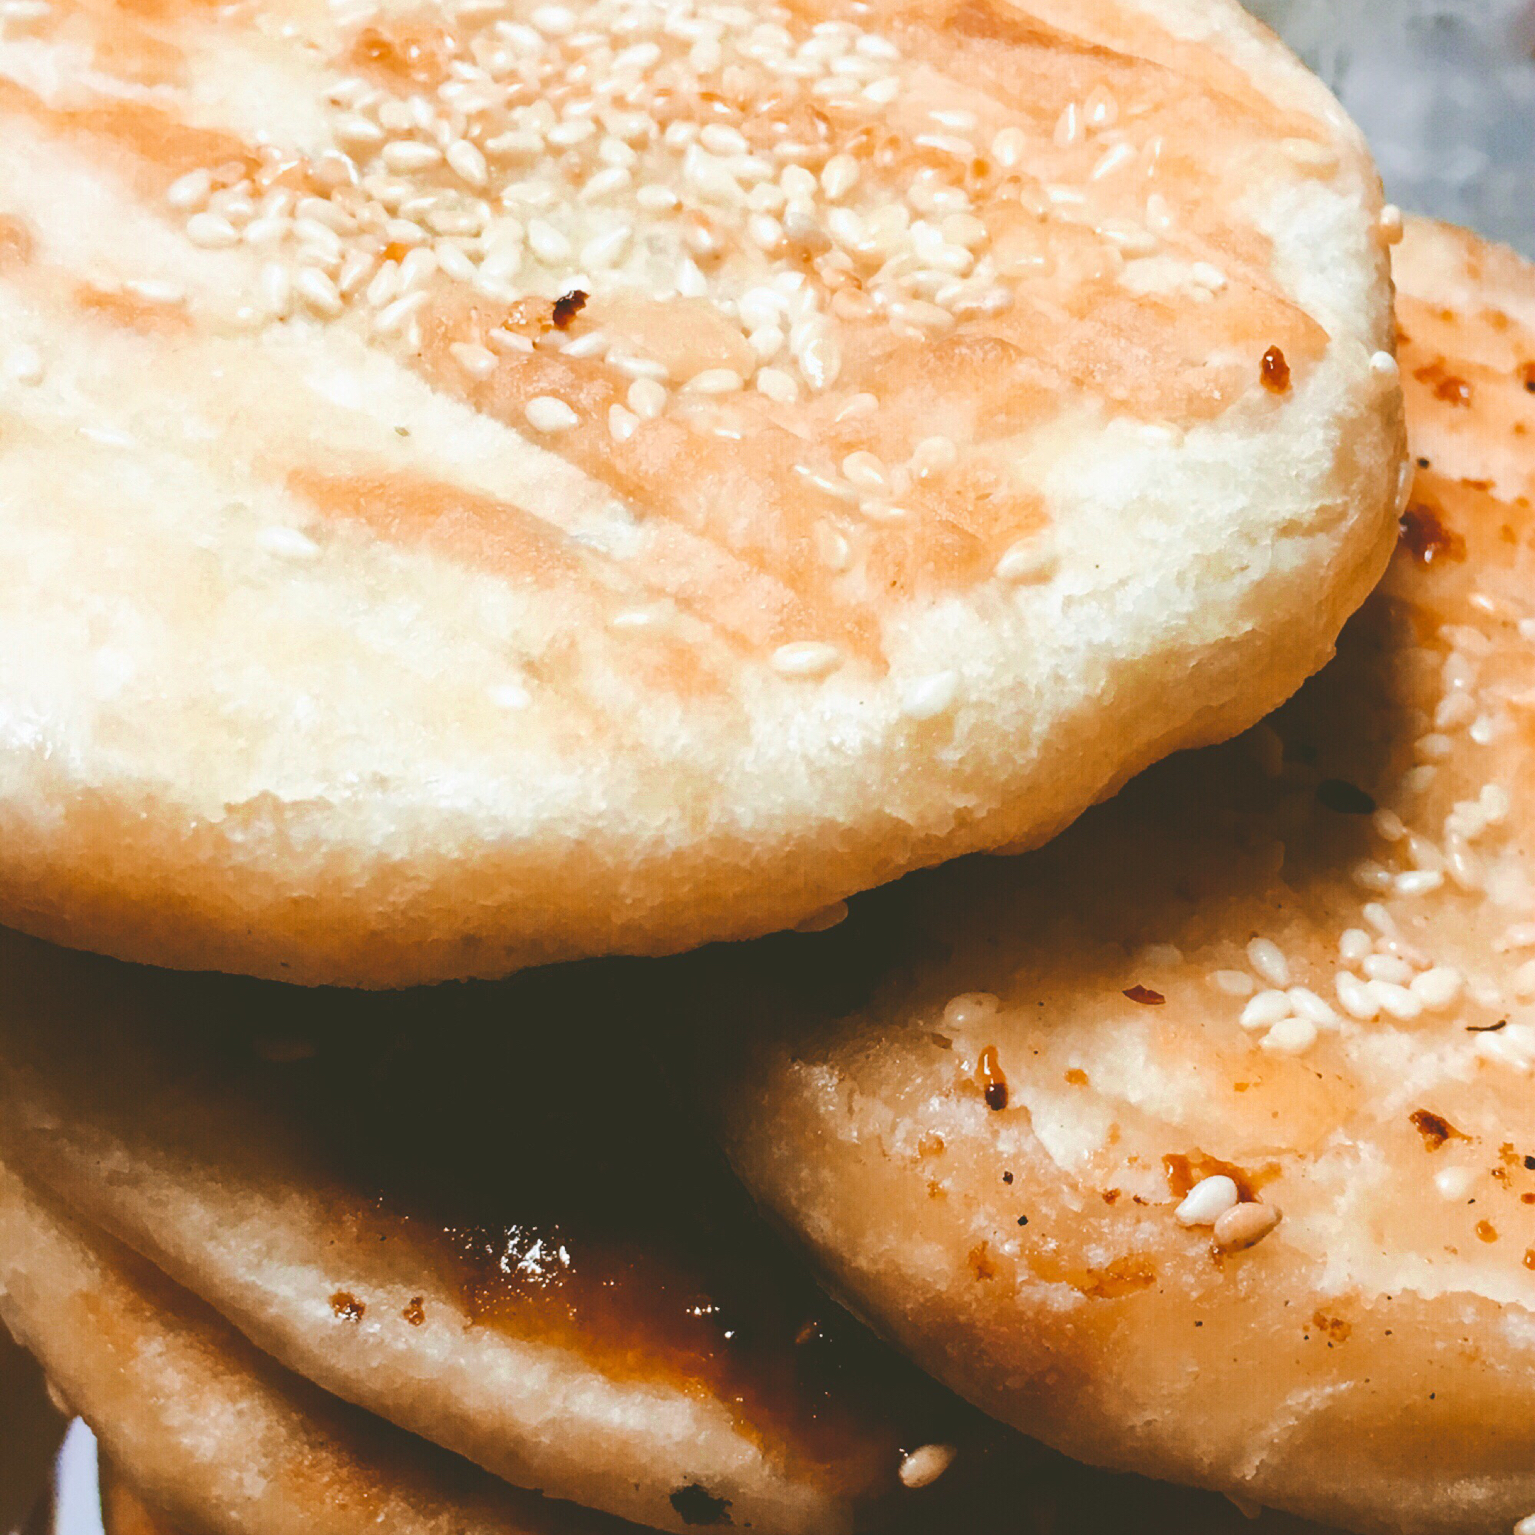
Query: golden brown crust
point(505, 522)
point(1300, 963)
point(219, 1438)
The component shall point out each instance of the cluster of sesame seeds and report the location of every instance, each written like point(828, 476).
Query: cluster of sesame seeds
point(1474, 685)
point(803, 180)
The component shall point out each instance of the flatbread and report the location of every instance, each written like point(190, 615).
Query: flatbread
point(220, 1438)
point(479, 1213)
point(500, 481)
point(1008, 1105)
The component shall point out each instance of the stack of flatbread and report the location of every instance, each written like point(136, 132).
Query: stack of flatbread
point(520, 515)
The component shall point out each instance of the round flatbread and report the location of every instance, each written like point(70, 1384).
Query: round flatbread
point(1200, 1143)
point(477, 1212)
point(498, 482)
point(219, 1437)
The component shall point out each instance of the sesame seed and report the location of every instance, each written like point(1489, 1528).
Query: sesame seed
point(1265, 1010)
point(824, 920)
point(714, 381)
point(923, 1466)
point(929, 697)
point(866, 471)
point(1380, 919)
point(1356, 998)
point(1383, 366)
point(1418, 881)
point(1310, 1006)
point(1234, 983)
point(969, 1009)
point(1369, 875)
point(287, 543)
point(1268, 960)
point(1310, 156)
point(777, 385)
point(1114, 159)
point(24, 365)
point(1388, 967)
point(1455, 1183)
point(509, 695)
point(1007, 148)
point(621, 423)
point(1439, 988)
point(1355, 945)
point(1101, 109)
point(189, 193)
point(477, 361)
point(839, 176)
point(1245, 1225)
point(646, 398)
point(820, 360)
point(1290, 1036)
point(404, 156)
point(1392, 228)
point(1388, 824)
point(468, 162)
point(394, 317)
point(547, 243)
point(1030, 559)
point(211, 232)
point(545, 413)
point(1207, 1201)
point(1205, 275)
point(1068, 127)
point(1398, 1001)
point(806, 658)
point(318, 291)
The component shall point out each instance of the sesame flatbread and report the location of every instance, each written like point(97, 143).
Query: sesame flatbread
point(1200, 1143)
point(499, 481)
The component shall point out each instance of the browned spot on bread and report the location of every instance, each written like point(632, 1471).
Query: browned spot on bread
point(1076, 1077)
point(1333, 1326)
point(1426, 538)
point(409, 51)
point(156, 147)
point(1434, 1129)
point(1124, 1276)
point(346, 1307)
point(415, 1311)
point(567, 307)
point(1447, 386)
point(1275, 371)
point(993, 1083)
point(1145, 996)
point(118, 307)
point(1486, 1231)
point(477, 530)
point(980, 1262)
point(16, 243)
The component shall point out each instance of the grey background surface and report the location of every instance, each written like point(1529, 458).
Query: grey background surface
point(1445, 89)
